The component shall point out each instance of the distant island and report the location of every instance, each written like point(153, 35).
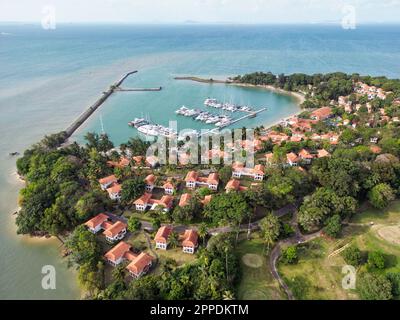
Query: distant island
point(324, 188)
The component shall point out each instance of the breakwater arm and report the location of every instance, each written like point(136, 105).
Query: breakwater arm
point(197, 79)
point(89, 111)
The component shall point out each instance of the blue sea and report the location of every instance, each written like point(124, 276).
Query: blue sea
point(48, 77)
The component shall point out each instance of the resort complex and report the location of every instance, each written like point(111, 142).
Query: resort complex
point(300, 181)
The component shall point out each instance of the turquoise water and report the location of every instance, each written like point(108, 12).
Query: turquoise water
point(47, 78)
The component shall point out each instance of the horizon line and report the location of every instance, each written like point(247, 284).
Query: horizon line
point(203, 23)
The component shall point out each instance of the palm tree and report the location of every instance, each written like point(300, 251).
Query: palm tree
point(173, 239)
point(228, 295)
point(203, 232)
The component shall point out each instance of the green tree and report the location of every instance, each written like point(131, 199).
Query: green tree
point(352, 255)
point(173, 239)
point(289, 255)
point(333, 226)
point(228, 208)
point(85, 249)
point(380, 195)
point(374, 287)
point(225, 174)
point(132, 189)
point(90, 204)
point(376, 260)
point(203, 232)
point(270, 229)
point(394, 278)
point(134, 224)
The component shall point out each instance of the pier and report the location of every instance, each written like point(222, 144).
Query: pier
point(106, 94)
point(138, 89)
point(252, 114)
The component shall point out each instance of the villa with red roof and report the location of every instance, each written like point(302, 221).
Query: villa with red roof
point(150, 181)
point(115, 232)
point(169, 187)
point(107, 182)
point(292, 159)
point(189, 241)
point(140, 265)
point(146, 201)
point(185, 199)
point(118, 254)
point(193, 180)
point(122, 163)
point(206, 200)
point(150, 161)
point(321, 113)
point(234, 185)
point(114, 192)
point(112, 231)
point(257, 173)
point(161, 237)
point(323, 153)
point(305, 156)
point(96, 223)
point(269, 158)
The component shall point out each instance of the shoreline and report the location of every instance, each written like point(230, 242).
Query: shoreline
point(298, 96)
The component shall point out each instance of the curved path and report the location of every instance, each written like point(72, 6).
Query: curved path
point(297, 238)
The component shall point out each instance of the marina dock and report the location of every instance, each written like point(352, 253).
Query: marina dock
point(138, 89)
point(252, 114)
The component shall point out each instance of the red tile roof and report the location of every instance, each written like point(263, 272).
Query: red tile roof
point(184, 200)
point(140, 263)
point(144, 199)
point(118, 251)
point(163, 234)
point(322, 113)
point(109, 179)
point(292, 157)
point(115, 188)
point(323, 153)
point(192, 176)
point(150, 179)
point(97, 220)
point(304, 154)
point(207, 199)
point(213, 178)
point(190, 238)
point(115, 229)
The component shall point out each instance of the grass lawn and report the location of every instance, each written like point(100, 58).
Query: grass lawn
point(257, 282)
point(316, 276)
point(140, 215)
point(389, 215)
point(318, 272)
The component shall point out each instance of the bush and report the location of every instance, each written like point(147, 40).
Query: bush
point(352, 255)
point(289, 255)
point(380, 195)
point(300, 287)
point(376, 260)
point(333, 226)
point(374, 287)
point(394, 278)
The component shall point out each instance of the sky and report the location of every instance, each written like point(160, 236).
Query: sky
point(201, 11)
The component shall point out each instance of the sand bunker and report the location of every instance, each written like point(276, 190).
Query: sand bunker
point(252, 260)
point(390, 234)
